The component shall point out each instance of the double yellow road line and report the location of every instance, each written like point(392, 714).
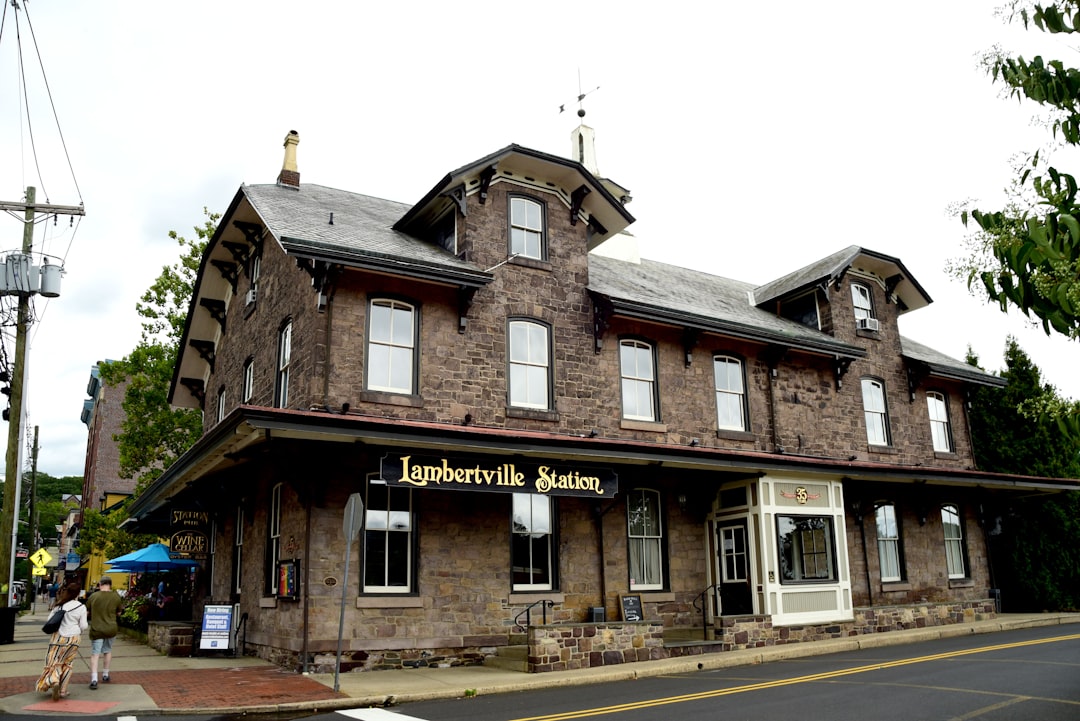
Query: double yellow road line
point(583, 713)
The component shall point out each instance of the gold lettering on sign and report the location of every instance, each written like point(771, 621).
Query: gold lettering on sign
point(188, 542)
point(190, 518)
point(573, 481)
point(505, 475)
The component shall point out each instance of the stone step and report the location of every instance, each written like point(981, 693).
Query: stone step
point(511, 658)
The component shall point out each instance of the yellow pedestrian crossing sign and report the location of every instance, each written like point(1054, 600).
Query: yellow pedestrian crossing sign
point(40, 559)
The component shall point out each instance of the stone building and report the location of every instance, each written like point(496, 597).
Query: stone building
point(550, 434)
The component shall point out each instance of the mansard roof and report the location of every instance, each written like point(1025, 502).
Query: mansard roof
point(680, 296)
point(909, 294)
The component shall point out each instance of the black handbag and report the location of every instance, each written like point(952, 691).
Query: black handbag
point(53, 624)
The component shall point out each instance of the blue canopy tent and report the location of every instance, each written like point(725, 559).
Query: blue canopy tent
point(152, 558)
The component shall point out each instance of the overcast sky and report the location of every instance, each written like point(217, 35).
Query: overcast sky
point(755, 138)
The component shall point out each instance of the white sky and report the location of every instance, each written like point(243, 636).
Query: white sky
point(755, 138)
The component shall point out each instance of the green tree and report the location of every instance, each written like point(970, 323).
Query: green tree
point(153, 434)
point(1033, 540)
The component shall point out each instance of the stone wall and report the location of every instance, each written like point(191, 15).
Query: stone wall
point(565, 647)
point(171, 638)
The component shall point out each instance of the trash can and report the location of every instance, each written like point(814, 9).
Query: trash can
point(7, 624)
point(597, 614)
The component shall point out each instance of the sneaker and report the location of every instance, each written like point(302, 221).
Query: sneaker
point(93, 685)
point(106, 678)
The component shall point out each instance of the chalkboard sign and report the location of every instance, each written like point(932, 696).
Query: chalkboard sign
point(631, 607)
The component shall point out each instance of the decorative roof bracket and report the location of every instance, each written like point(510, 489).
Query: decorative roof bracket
point(690, 338)
point(216, 308)
point(596, 226)
point(576, 199)
point(253, 233)
point(840, 277)
point(602, 312)
point(229, 271)
point(890, 285)
point(465, 301)
point(205, 349)
point(457, 194)
point(916, 374)
point(841, 367)
point(486, 176)
point(239, 251)
point(195, 385)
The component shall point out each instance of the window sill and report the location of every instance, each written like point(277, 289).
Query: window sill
point(863, 333)
point(946, 456)
point(534, 414)
point(393, 399)
point(655, 596)
point(534, 596)
point(730, 435)
point(249, 308)
point(961, 583)
point(884, 450)
point(389, 602)
point(894, 586)
point(268, 602)
point(530, 263)
point(652, 426)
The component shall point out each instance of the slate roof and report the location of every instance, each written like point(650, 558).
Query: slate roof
point(683, 296)
point(361, 234)
point(945, 366)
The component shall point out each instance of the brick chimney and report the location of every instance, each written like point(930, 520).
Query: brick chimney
point(289, 175)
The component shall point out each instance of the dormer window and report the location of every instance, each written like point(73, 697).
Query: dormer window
point(863, 301)
point(527, 228)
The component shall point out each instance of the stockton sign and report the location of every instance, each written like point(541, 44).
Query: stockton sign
point(463, 474)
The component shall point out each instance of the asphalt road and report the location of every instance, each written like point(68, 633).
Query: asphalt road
point(1030, 674)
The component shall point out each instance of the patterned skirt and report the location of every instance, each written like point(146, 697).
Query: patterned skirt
point(58, 661)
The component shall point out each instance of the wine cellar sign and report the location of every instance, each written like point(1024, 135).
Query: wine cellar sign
point(189, 537)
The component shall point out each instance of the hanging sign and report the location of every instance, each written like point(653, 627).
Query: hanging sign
point(464, 474)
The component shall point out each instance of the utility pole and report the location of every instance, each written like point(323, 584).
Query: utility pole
point(12, 474)
point(31, 582)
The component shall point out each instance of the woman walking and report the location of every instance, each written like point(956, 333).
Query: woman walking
point(64, 645)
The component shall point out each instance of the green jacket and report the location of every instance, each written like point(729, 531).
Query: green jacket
point(103, 606)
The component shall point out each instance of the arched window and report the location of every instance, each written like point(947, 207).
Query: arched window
point(645, 539)
point(863, 301)
point(730, 393)
point(530, 365)
point(939, 422)
point(638, 380)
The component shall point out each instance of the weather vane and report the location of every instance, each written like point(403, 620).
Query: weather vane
point(580, 97)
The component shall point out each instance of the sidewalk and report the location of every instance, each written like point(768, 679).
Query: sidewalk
point(147, 683)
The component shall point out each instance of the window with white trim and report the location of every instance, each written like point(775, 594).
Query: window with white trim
point(806, 548)
point(249, 380)
point(273, 540)
point(281, 387)
point(954, 540)
point(532, 548)
point(730, 393)
point(645, 540)
point(391, 358)
point(526, 228)
point(939, 422)
point(530, 365)
point(638, 380)
point(388, 538)
point(863, 301)
point(890, 557)
point(221, 404)
point(875, 412)
point(238, 547)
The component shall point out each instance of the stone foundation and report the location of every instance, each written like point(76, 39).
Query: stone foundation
point(562, 647)
point(171, 638)
point(568, 646)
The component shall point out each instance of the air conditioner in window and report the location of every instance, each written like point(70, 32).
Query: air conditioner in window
point(867, 324)
point(249, 298)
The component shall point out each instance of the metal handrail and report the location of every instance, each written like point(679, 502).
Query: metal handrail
point(699, 604)
point(544, 604)
point(242, 624)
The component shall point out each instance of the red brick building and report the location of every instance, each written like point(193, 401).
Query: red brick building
point(536, 421)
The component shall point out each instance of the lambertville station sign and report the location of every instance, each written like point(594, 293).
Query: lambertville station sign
point(464, 474)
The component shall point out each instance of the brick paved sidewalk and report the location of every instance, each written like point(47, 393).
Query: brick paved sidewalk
point(199, 688)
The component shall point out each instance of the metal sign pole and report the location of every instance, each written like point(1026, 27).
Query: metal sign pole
point(354, 520)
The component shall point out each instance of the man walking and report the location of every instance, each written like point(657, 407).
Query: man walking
point(103, 606)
